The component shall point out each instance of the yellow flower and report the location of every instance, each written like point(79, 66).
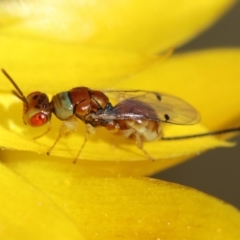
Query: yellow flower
point(52, 46)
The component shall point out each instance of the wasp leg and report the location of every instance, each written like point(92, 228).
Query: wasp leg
point(83, 145)
point(44, 133)
point(140, 146)
point(128, 132)
point(88, 130)
point(67, 126)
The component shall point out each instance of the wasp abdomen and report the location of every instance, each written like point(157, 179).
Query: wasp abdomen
point(146, 129)
point(142, 121)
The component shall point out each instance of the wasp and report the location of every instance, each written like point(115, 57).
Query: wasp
point(137, 115)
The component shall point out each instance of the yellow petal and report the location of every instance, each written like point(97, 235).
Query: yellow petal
point(107, 147)
point(143, 26)
point(28, 213)
point(51, 67)
point(115, 208)
point(104, 146)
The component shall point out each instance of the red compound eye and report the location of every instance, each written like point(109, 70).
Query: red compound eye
point(38, 119)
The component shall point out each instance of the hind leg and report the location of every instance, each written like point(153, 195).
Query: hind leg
point(127, 133)
point(140, 145)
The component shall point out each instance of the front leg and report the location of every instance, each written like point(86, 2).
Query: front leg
point(140, 145)
point(67, 126)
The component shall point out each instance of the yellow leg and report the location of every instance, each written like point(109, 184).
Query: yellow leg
point(140, 146)
point(68, 126)
point(44, 133)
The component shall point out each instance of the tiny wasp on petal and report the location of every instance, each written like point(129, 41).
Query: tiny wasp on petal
point(137, 115)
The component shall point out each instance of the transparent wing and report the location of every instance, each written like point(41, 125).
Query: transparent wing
point(138, 104)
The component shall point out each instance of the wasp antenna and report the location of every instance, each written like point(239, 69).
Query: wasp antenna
point(229, 130)
point(17, 93)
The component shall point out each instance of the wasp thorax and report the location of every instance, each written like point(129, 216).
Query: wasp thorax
point(36, 111)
